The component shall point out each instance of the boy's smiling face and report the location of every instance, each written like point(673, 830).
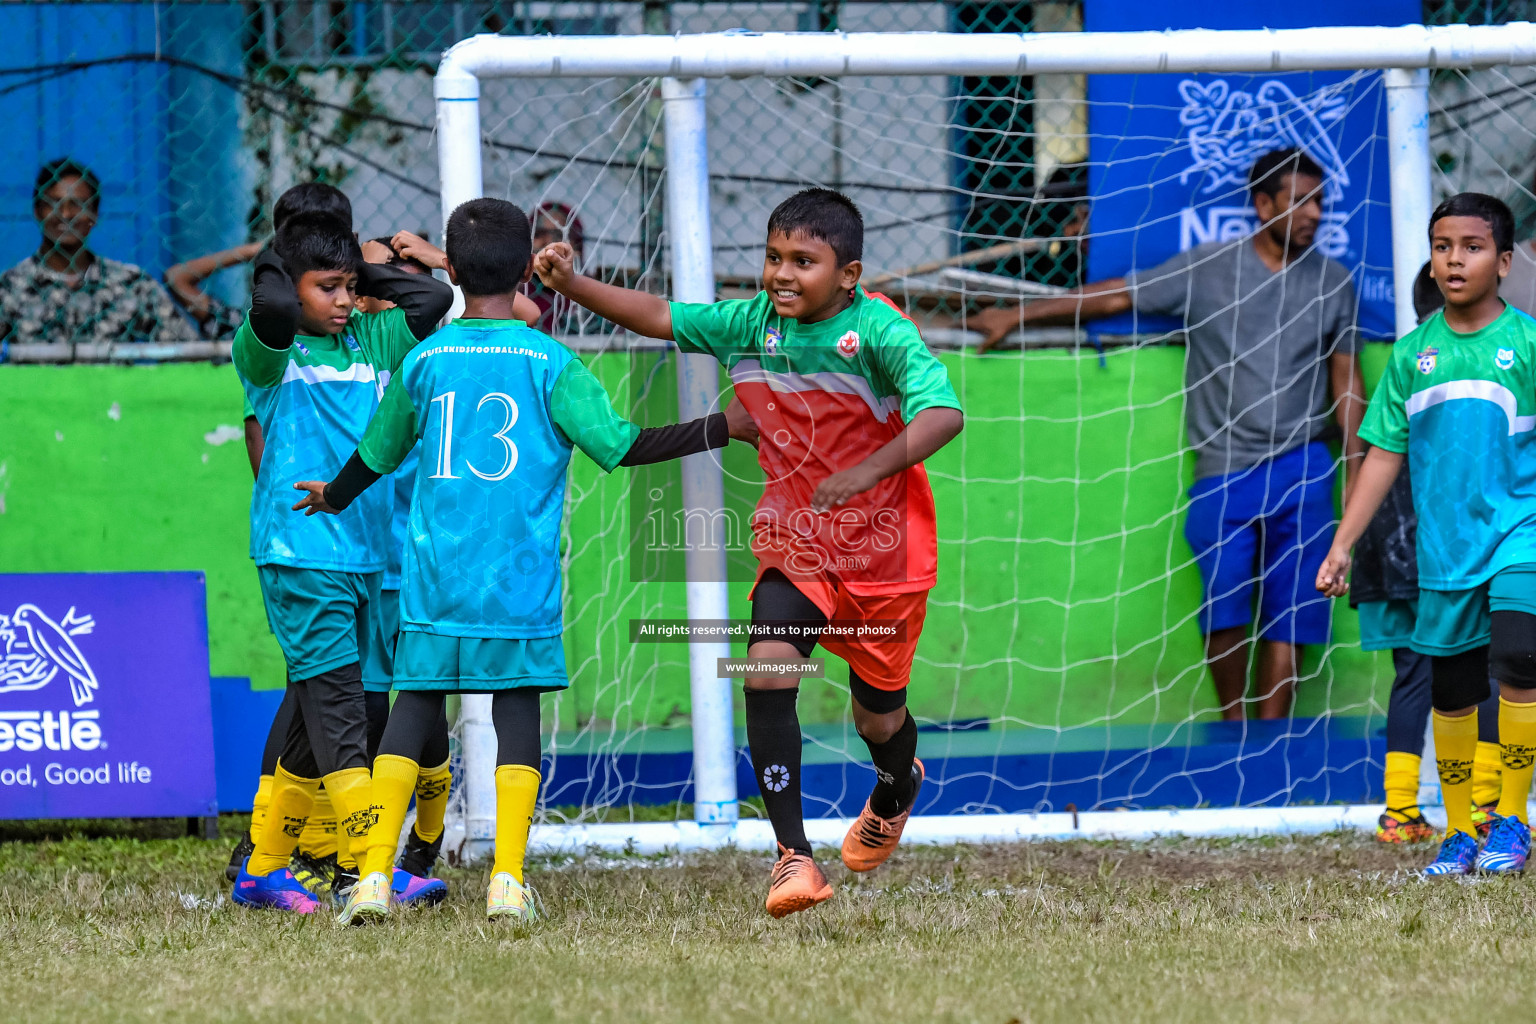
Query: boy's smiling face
point(1466, 262)
point(803, 279)
point(326, 299)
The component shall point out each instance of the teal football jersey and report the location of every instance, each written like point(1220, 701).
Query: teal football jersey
point(1463, 409)
point(401, 483)
point(314, 401)
point(498, 408)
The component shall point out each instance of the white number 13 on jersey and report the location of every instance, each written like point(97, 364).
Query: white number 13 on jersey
point(444, 469)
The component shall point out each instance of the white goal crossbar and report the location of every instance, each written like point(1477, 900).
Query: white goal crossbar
point(684, 63)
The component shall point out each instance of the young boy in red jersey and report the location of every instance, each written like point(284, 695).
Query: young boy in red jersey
point(848, 402)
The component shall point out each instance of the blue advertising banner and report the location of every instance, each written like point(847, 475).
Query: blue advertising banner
point(1169, 154)
point(104, 706)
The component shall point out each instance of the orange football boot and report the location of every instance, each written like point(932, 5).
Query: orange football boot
point(871, 838)
point(797, 884)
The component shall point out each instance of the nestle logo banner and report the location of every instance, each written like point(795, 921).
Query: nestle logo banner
point(1169, 154)
point(104, 701)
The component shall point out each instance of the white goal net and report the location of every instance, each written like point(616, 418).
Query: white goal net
point(1061, 670)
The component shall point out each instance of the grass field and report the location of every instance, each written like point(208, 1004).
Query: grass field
point(105, 927)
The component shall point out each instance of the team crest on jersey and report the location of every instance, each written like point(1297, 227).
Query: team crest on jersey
point(848, 345)
point(1427, 360)
point(771, 341)
point(351, 343)
point(1504, 358)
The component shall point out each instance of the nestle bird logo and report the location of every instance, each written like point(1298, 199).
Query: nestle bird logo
point(36, 649)
point(1231, 128)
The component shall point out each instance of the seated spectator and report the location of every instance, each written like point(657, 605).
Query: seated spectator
point(65, 294)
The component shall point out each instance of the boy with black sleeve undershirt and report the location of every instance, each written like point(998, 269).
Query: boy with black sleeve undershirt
point(312, 368)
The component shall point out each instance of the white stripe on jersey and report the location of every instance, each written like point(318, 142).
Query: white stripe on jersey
point(1486, 390)
point(357, 373)
point(750, 371)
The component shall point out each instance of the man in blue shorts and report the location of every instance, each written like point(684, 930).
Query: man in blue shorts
point(1273, 371)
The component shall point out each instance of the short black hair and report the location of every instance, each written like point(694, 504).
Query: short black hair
point(411, 264)
point(825, 215)
point(1267, 175)
point(1427, 296)
point(489, 244)
point(316, 241)
point(1477, 204)
point(55, 171)
point(312, 197)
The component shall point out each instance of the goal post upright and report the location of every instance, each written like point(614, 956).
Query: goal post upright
point(684, 62)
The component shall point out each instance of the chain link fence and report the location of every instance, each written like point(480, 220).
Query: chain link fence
point(193, 117)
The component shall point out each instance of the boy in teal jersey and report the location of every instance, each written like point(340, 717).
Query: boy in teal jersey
point(848, 402)
point(311, 368)
point(498, 408)
point(1458, 400)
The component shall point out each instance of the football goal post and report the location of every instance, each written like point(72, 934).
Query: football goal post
point(1060, 688)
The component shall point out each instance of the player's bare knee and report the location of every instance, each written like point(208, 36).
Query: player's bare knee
point(1512, 653)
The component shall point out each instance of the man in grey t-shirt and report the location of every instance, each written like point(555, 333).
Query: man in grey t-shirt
point(1272, 365)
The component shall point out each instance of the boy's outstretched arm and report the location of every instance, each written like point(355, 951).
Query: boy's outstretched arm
point(1371, 486)
point(929, 431)
point(647, 315)
point(582, 410)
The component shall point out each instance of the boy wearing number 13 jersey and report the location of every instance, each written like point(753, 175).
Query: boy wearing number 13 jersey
point(498, 408)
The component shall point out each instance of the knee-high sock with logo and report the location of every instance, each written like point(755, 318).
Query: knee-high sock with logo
point(517, 794)
point(1517, 751)
point(393, 779)
point(1455, 748)
point(319, 836)
point(352, 792)
point(773, 734)
point(432, 786)
point(287, 811)
point(893, 760)
point(1402, 783)
point(259, 805)
point(1487, 774)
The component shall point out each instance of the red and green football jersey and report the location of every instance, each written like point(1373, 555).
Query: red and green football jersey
point(826, 396)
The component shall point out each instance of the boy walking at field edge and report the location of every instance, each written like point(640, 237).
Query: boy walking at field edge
point(1458, 400)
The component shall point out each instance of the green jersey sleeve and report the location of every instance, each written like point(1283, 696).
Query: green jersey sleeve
point(1386, 418)
point(391, 434)
point(916, 373)
point(719, 329)
point(257, 363)
point(386, 336)
point(581, 409)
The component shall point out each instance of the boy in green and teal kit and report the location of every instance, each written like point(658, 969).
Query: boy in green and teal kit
point(1458, 401)
point(313, 369)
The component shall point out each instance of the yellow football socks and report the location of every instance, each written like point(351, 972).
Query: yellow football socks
point(393, 779)
point(1455, 748)
point(1402, 782)
point(432, 785)
point(259, 805)
point(517, 793)
point(319, 836)
point(1487, 775)
point(352, 792)
point(287, 811)
point(1517, 753)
